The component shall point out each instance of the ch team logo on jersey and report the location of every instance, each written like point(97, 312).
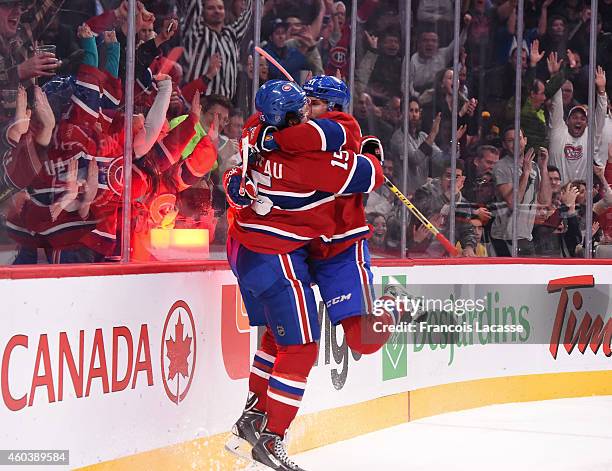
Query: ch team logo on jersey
point(572, 152)
point(111, 175)
point(337, 57)
point(161, 207)
point(115, 176)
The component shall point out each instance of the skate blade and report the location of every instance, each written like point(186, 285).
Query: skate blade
point(239, 447)
point(254, 466)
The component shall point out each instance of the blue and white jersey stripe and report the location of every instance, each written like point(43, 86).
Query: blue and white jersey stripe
point(362, 177)
point(358, 231)
point(298, 203)
point(332, 134)
point(265, 229)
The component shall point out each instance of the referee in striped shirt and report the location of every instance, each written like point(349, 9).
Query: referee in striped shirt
point(204, 34)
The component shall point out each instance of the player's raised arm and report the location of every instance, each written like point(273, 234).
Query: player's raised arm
point(314, 135)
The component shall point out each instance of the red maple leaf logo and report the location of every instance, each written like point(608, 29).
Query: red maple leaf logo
point(177, 351)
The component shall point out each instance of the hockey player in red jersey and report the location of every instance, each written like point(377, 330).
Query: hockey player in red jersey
point(267, 250)
point(345, 247)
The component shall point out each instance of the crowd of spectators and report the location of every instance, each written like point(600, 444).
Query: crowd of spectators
point(62, 114)
point(552, 163)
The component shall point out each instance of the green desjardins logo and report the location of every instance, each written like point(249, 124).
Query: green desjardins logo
point(395, 351)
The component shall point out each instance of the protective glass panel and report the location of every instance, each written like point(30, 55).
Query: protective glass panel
point(62, 69)
point(378, 97)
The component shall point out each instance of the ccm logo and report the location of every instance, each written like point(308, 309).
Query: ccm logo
point(338, 299)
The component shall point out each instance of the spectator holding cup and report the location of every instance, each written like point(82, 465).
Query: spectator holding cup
point(17, 63)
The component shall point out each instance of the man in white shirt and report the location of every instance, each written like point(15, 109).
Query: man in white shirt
point(568, 141)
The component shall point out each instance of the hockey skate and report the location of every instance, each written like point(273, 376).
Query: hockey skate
point(246, 430)
point(269, 453)
point(396, 291)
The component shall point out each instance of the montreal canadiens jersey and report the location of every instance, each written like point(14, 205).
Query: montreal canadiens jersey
point(78, 137)
point(297, 195)
point(75, 138)
point(332, 132)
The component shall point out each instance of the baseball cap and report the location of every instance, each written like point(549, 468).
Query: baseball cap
point(578, 108)
point(277, 23)
point(515, 46)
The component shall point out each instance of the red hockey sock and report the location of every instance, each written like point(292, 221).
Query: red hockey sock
point(287, 384)
point(261, 369)
point(367, 334)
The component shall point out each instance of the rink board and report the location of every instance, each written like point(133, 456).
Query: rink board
point(86, 363)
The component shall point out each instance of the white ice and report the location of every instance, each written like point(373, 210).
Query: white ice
point(559, 435)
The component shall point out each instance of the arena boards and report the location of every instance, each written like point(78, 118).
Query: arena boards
point(85, 364)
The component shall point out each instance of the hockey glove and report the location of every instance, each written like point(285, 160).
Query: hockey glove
point(372, 145)
point(231, 183)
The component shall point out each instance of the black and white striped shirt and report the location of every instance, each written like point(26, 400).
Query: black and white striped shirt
point(201, 42)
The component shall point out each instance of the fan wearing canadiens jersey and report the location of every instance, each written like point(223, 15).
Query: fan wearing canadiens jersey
point(56, 214)
point(267, 250)
point(75, 226)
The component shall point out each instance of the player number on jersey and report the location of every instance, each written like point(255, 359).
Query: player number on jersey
point(340, 159)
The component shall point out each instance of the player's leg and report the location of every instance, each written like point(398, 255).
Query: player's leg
point(263, 362)
point(291, 313)
point(345, 283)
point(246, 430)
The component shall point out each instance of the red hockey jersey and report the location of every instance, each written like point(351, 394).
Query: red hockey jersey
point(76, 137)
point(331, 132)
point(297, 195)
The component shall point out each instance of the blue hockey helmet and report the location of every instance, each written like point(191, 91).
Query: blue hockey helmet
point(326, 87)
point(276, 98)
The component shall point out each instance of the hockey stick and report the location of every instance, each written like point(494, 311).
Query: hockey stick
point(245, 164)
point(275, 63)
point(395, 190)
point(245, 140)
point(450, 248)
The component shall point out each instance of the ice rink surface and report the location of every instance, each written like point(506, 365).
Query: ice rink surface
point(557, 435)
